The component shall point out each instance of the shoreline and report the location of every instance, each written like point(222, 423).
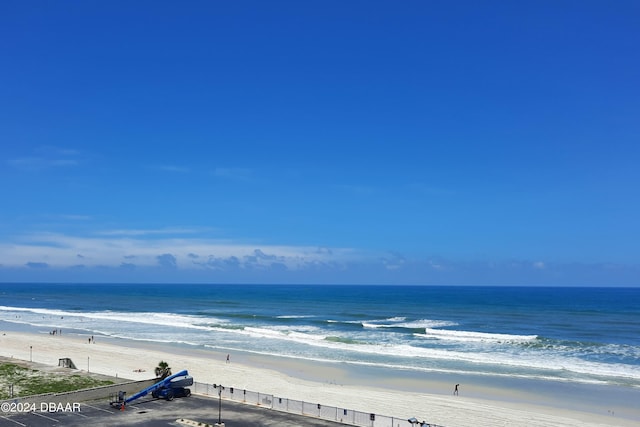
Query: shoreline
point(382, 391)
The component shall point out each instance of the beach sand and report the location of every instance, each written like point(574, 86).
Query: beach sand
point(338, 385)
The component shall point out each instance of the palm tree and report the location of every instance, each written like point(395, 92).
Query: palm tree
point(163, 370)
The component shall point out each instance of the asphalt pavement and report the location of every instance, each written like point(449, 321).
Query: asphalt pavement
point(149, 412)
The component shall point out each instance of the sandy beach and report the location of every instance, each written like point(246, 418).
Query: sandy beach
point(332, 385)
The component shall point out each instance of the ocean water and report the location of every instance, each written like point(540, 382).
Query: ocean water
point(568, 335)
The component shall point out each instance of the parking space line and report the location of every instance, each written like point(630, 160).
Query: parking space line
point(17, 422)
point(44, 416)
point(97, 408)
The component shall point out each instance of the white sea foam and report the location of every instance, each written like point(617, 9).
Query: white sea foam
point(493, 360)
point(287, 316)
point(44, 311)
point(426, 323)
point(345, 322)
point(282, 334)
point(465, 349)
point(471, 336)
point(399, 322)
point(550, 363)
point(373, 325)
point(149, 318)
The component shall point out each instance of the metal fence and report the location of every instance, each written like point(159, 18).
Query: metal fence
point(317, 410)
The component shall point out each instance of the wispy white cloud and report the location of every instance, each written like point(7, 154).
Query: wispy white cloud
point(157, 231)
point(46, 157)
point(539, 264)
point(393, 261)
point(182, 255)
point(136, 248)
point(172, 168)
point(39, 163)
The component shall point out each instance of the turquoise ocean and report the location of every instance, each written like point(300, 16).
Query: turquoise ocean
point(549, 334)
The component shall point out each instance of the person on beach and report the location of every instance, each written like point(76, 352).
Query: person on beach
point(228, 358)
point(455, 390)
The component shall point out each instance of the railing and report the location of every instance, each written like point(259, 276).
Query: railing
point(317, 410)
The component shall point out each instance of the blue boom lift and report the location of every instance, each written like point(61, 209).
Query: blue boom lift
point(168, 388)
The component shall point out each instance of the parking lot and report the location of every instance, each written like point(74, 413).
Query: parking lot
point(151, 412)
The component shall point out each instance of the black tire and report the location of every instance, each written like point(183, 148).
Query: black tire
point(154, 394)
point(170, 395)
point(187, 392)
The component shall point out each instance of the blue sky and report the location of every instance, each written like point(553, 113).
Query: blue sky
point(415, 142)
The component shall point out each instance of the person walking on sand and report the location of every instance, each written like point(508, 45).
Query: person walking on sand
point(228, 358)
point(455, 390)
